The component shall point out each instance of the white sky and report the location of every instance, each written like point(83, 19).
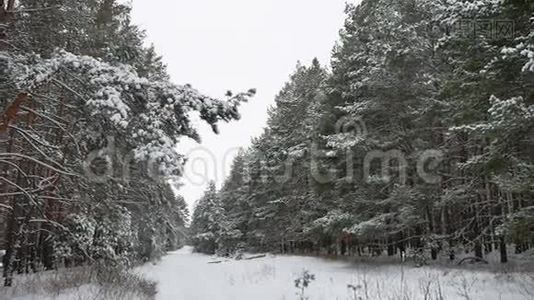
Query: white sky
point(220, 45)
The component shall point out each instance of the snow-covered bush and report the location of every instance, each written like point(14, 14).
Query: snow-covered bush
point(303, 282)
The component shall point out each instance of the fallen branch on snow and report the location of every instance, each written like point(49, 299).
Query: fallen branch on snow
point(255, 257)
point(473, 260)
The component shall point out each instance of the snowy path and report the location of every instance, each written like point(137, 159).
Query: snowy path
point(189, 276)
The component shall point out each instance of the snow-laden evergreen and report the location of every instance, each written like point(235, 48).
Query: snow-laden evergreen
point(418, 140)
point(88, 136)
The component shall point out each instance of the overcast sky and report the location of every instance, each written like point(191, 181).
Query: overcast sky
point(220, 45)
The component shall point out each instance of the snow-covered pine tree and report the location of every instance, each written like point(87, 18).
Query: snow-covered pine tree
point(207, 220)
point(77, 80)
point(407, 76)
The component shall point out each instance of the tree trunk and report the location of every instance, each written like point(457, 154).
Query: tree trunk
point(478, 250)
point(391, 249)
point(2, 12)
point(9, 257)
point(343, 247)
point(5, 11)
point(502, 247)
point(434, 253)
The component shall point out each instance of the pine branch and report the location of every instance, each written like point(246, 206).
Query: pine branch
point(29, 10)
point(17, 155)
point(3, 206)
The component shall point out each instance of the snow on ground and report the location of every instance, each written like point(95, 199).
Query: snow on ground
point(85, 292)
point(190, 276)
point(81, 283)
